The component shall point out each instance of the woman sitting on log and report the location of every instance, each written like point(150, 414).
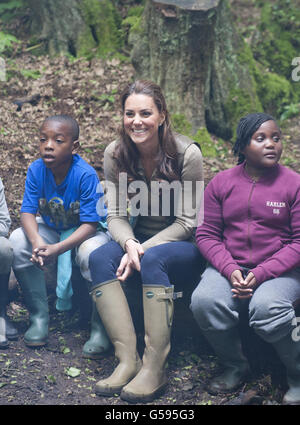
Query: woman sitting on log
point(251, 239)
point(154, 244)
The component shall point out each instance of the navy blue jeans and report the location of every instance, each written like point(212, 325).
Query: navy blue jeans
point(174, 263)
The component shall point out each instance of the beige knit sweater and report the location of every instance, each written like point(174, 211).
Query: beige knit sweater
point(179, 222)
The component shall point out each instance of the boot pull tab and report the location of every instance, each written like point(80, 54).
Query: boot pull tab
point(169, 297)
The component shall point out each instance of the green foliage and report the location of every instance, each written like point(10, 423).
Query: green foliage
point(133, 19)
point(30, 73)
point(239, 103)
point(290, 111)
point(14, 4)
point(103, 33)
point(182, 126)
point(8, 10)
point(202, 137)
point(7, 41)
point(274, 91)
point(279, 37)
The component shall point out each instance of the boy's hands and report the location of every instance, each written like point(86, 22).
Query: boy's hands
point(242, 288)
point(37, 243)
point(46, 254)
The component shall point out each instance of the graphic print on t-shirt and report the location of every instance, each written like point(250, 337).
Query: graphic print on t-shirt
point(58, 215)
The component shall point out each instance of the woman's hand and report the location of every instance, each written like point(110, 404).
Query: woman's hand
point(131, 260)
point(242, 288)
point(125, 269)
point(135, 251)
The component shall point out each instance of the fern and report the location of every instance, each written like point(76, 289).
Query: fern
point(6, 41)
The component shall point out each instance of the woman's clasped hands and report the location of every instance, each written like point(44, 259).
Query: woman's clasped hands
point(242, 287)
point(130, 260)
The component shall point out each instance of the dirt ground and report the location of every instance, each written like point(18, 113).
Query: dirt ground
point(57, 374)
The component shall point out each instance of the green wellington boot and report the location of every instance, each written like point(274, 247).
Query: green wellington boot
point(7, 329)
point(98, 344)
point(289, 353)
point(113, 309)
point(228, 348)
point(34, 290)
point(151, 380)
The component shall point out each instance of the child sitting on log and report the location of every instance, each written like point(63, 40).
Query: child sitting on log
point(67, 194)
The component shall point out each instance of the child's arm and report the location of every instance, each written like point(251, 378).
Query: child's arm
point(49, 253)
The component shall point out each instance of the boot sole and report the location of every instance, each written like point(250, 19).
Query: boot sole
point(95, 356)
point(216, 391)
point(108, 393)
point(35, 344)
point(133, 398)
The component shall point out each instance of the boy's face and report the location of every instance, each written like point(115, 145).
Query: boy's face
point(56, 145)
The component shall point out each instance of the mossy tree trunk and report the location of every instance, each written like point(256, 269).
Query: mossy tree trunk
point(191, 49)
point(75, 26)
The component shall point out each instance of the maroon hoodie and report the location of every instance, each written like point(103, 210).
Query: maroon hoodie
point(250, 224)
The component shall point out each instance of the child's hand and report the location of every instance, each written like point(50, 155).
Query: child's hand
point(241, 287)
point(35, 258)
point(250, 280)
point(47, 254)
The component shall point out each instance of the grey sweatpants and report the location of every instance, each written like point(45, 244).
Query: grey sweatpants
point(22, 248)
point(6, 255)
point(271, 307)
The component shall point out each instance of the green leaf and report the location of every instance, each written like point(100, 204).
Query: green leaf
point(6, 41)
point(73, 371)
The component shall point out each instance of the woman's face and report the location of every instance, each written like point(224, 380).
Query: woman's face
point(265, 148)
point(142, 119)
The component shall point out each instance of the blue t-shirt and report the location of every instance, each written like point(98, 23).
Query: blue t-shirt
point(76, 200)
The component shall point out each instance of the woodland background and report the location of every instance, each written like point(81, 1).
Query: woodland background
point(215, 63)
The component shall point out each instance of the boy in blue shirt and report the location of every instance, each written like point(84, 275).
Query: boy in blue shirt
point(66, 192)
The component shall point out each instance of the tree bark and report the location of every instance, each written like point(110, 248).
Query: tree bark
point(57, 24)
point(74, 26)
point(191, 49)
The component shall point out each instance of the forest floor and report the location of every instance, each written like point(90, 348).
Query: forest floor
point(57, 374)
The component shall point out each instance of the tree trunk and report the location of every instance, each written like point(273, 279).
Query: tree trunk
point(56, 24)
point(79, 27)
point(190, 48)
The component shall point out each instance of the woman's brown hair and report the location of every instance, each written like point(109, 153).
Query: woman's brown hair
point(126, 153)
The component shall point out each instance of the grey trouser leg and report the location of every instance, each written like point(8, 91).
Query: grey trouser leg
point(22, 247)
point(6, 255)
point(86, 248)
point(212, 304)
point(271, 309)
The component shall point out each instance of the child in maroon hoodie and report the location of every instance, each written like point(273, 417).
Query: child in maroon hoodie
point(251, 239)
